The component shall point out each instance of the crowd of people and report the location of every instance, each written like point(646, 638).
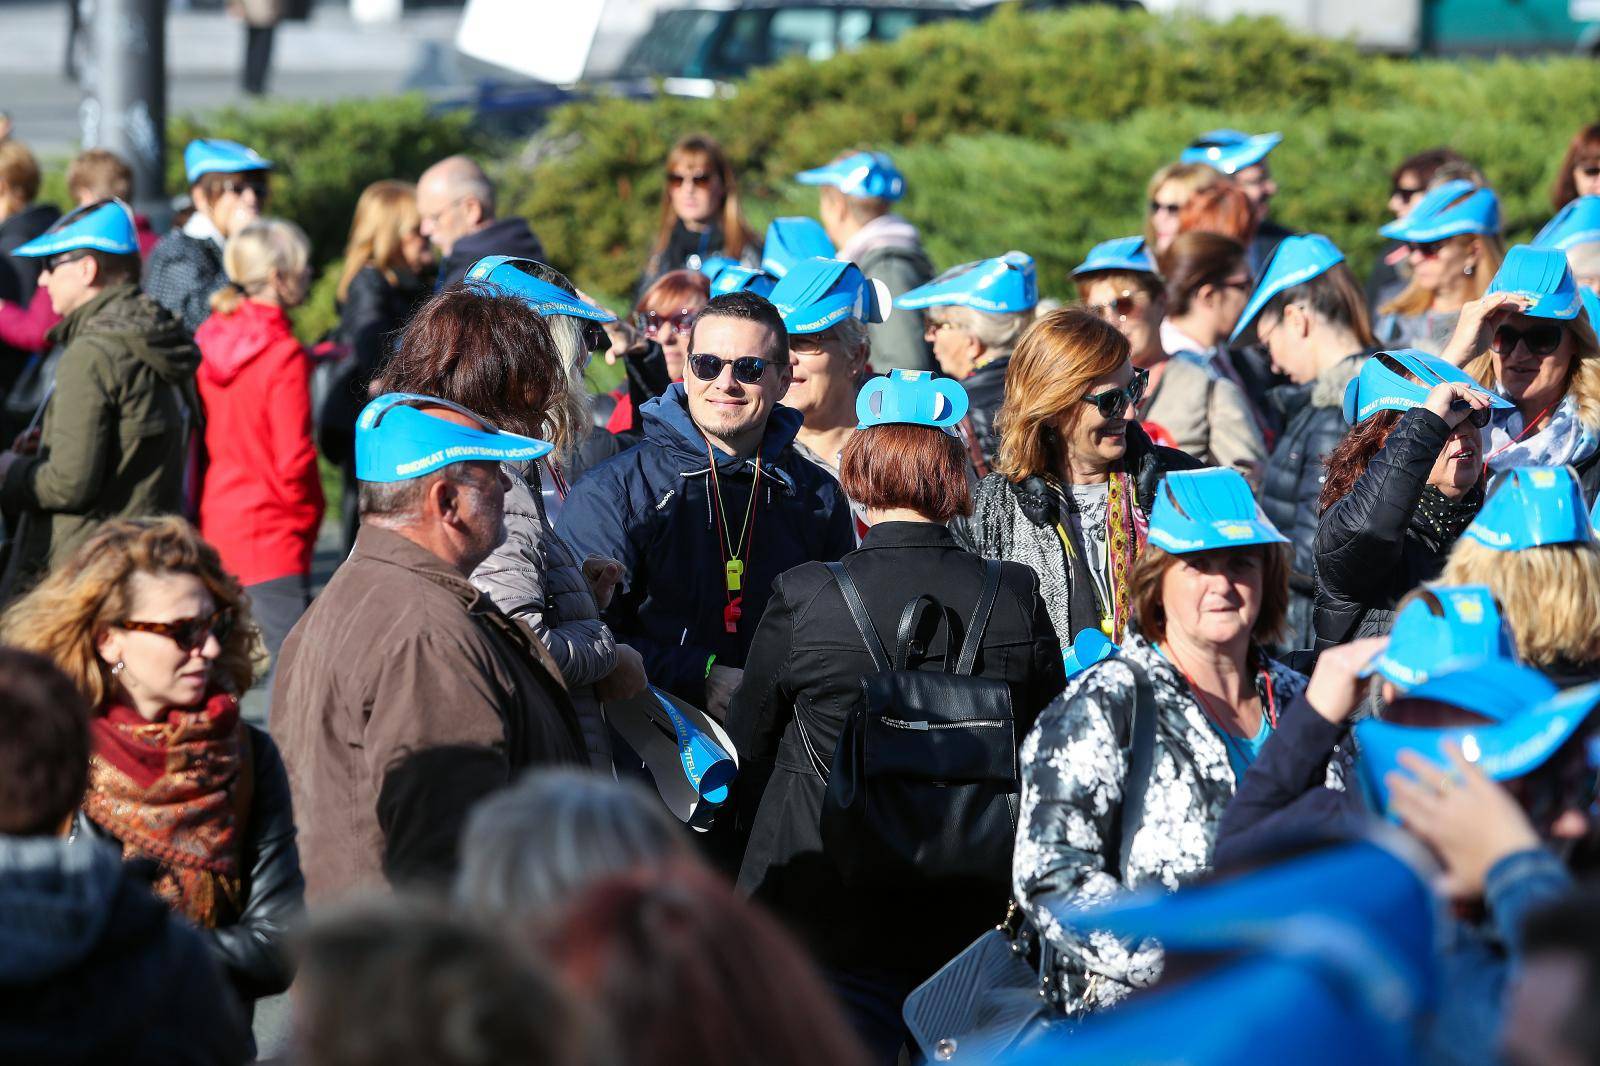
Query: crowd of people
point(896, 666)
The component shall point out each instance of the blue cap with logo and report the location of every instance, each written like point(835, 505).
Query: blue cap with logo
point(1400, 380)
point(1230, 151)
point(793, 240)
point(1439, 629)
point(818, 294)
point(738, 278)
point(1126, 254)
point(508, 276)
point(1450, 210)
point(1002, 285)
point(1295, 261)
point(395, 441)
point(1577, 223)
point(1530, 506)
point(209, 155)
point(1199, 510)
point(1544, 277)
point(910, 398)
point(866, 174)
point(106, 226)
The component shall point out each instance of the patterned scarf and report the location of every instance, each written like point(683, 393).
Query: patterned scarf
point(167, 790)
point(1126, 527)
point(1564, 439)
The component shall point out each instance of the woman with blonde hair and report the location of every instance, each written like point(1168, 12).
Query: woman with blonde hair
point(1076, 474)
point(700, 212)
point(261, 501)
point(158, 638)
point(1167, 193)
point(1452, 237)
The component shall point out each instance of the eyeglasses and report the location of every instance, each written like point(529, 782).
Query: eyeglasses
point(700, 181)
point(1120, 308)
point(747, 369)
point(240, 186)
point(1426, 249)
point(56, 262)
point(189, 634)
point(1590, 171)
point(1113, 402)
point(1159, 208)
point(651, 324)
point(1540, 340)
point(1407, 193)
point(931, 328)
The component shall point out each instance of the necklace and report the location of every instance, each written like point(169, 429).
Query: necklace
point(735, 553)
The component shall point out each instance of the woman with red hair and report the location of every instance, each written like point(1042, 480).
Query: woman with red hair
point(663, 317)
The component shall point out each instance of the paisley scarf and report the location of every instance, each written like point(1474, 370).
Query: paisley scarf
point(1564, 439)
point(168, 790)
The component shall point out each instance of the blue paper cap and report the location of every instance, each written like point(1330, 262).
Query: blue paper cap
point(1542, 275)
point(867, 174)
point(1121, 254)
point(1577, 223)
point(713, 265)
point(818, 294)
point(1295, 261)
point(1381, 385)
point(106, 226)
point(1451, 209)
point(1089, 647)
point(1230, 151)
point(1439, 629)
point(1002, 285)
point(1529, 506)
point(211, 156)
point(910, 398)
point(1199, 510)
point(738, 278)
point(504, 275)
point(397, 442)
point(793, 240)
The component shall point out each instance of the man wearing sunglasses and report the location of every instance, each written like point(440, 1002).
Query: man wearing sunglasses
point(456, 201)
point(710, 507)
point(229, 186)
point(404, 695)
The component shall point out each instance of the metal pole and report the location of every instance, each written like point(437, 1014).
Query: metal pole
point(128, 112)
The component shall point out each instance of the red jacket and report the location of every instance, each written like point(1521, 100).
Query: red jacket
point(261, 503)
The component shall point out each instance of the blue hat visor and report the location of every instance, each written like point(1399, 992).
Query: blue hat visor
point(1439, 629)
point(1204, 510)
point(1542, 277)
point(1531, 506)
point(1123, 254)
point(1577, 223)
point(1003, 285)
point(395, 441)
point(1230, 151)
point(1452, 209)
point(506, 276)
point(1295, 261)
point(911, 398)
point(1497, 688)
point(743, 279)
point(818, 294)
point(106, 226)
point(793, 240)
point(1089, 647)
point(209, 156)
point(867, 174)
point(690, 757)
point(713, 265)
point(1386, 383)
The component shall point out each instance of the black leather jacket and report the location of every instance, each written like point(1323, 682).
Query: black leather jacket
point(986, 390)
point(251, 950)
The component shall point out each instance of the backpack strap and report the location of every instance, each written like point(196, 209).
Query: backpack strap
point(980, 616)
point(1141, 758)
point(858, 611)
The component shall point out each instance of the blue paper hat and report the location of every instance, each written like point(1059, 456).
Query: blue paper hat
point(738, 278)
point(106, 226)
point(1577, 223)
point(1002, 285)
point(910, 398)
point(1089, 647)
point(1542, 275)
point(868, 174)
point(1382, 386)
point(690, 757)
point(1451, 209)
point(818, 294)
point(212, 156)
point(713, 265)
point(1439, 629)
point(1503, 750)
point(1121, 254)
point(397, 442)
point(793, 240)
point(1529, 506)
point(1295, 261)
point(1199, 510)
point(506, 276)
point(1230, 151)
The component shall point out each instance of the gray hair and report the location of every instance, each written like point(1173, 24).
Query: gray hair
point(399, 503)
point(537, 845)
point(997, 331)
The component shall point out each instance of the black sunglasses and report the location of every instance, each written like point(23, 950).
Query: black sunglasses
point(747, 369)
point(1591, 171)
point(1113, 402)
point(190, 634)
point(1407, 194)
point(1539, 340)
point(1117, 309)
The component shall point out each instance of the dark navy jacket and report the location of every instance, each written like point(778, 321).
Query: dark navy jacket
point(650, 508)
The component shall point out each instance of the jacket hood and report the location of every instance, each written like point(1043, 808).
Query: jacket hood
point(229, 343)
point(667, 424)
point(55, 899)
point(504, 236)
point(1328, 389)
point(142, 326)
point(881, 234)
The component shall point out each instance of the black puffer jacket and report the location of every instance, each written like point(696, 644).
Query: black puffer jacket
point(986, 390)
point(371, 319)
point(1376, 544)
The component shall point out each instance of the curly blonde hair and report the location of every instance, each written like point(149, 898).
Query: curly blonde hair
point(63, 617)
point(1550, 595)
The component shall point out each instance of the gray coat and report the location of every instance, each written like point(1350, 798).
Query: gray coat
point(537, 578)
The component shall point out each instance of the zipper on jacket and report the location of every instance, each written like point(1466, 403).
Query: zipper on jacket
point(922, 727)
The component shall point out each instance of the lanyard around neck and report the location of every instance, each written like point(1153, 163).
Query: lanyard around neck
point(735, 553)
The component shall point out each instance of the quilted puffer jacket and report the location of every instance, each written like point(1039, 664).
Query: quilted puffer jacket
point(1074, 771)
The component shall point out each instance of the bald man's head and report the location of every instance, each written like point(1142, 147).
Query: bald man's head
point(455, 198)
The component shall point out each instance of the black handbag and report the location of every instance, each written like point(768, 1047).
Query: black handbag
point(923, 784)
point(1005, 990)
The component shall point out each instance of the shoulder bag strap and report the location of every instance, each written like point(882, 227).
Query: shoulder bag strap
point(1141, 758)
point(980, 616)
point(858, 611)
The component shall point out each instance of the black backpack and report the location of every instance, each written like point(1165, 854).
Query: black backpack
point(924, 783)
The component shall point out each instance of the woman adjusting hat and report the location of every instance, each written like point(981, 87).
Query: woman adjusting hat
point(1453, 234)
